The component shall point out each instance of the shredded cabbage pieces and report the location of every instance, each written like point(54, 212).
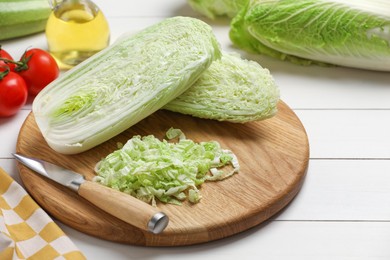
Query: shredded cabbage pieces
point(148, 168)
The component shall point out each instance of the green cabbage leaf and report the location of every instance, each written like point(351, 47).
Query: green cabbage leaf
point(340, 32)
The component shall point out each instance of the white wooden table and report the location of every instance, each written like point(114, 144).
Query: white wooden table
point(343, 209)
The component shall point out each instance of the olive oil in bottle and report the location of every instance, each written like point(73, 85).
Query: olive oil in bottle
point(75, 30)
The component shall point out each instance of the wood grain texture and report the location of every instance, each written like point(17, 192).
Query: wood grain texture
point(273, 156)
point(121, 205)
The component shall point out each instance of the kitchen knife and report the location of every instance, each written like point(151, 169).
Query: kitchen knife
point(116, 203)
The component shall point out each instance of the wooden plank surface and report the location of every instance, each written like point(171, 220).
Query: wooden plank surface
point(343, 190)
point(273, 156)
point(296, 240)
point(348, 134)
point(354, 226)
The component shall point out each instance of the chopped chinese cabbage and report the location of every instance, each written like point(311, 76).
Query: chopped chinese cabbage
point(171, 172)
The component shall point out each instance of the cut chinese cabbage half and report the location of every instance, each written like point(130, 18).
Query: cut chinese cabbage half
point(341, 32)
point(124, 83)
point(231, 89)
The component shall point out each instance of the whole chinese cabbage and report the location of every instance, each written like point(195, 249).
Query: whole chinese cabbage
point(215, 8)
point(341, 32)
point(231, 89)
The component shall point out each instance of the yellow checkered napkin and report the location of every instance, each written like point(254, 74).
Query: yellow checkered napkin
point(26, 231)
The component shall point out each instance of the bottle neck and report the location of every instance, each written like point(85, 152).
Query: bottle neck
point(56, 3)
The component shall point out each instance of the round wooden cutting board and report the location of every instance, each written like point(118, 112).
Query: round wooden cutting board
point(273, 156)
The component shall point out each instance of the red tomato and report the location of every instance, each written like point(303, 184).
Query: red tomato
point(13, 93)
point(5, 55)
point(41, 69)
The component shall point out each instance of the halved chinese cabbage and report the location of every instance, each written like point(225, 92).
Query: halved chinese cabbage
point(124, 83)
point(231, 89)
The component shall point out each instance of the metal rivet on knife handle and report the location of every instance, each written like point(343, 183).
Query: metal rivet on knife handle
point(158, 223)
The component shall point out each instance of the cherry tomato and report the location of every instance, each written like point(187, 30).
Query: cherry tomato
point(13, 93)
point(5, 55)
point(38, 70)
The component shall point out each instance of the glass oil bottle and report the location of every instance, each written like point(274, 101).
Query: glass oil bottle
point(76, 30)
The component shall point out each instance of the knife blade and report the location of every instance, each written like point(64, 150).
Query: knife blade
point(116, 203)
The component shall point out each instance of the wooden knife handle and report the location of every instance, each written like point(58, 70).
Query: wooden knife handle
point(124, 207)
